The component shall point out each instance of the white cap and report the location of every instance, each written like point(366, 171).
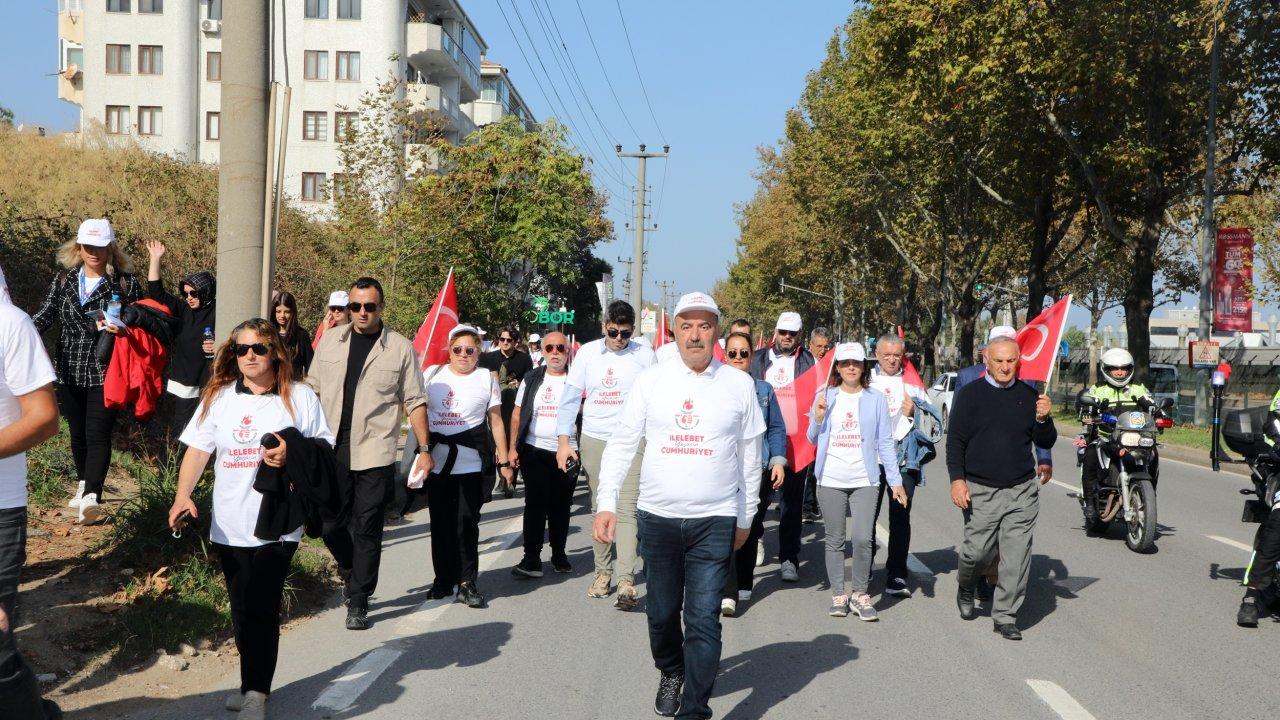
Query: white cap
point(1000, 331)
point(535, 338)
point(339, 298)
point(850, 351)
point(697, 301)
point(789, 321)
point(461, 329)
point(96, 232)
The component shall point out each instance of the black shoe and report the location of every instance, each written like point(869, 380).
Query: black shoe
point(1008, 631)
point(357, 618)
point(528, 568)
point(51, 710)
point(964, 601)
point(467, 593)
point(439, 591)
point(1248, 614)
point(810, 516)
point(561, 564)
point(668, 700)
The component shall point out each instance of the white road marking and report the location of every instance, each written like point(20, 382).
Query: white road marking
point(1068, 486)
point(356, 678)
point(1233, 543)
point(1060, 700)
point(914, 565)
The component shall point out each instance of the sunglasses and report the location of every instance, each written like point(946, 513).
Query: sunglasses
point(337, 308)
point(192, 294)
point(737, 354)
point(502, 339)
point(849, 363)
point(258, 349)
point(463, 350)
point(553, 348)
point(615, 332)
point(787, 333)
point(369, 307)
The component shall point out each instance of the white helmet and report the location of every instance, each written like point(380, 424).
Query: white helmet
point(1117, 358)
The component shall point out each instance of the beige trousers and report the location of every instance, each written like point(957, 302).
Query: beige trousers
point(590, 450)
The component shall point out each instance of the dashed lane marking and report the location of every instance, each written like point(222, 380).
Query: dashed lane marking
point(1060, 700)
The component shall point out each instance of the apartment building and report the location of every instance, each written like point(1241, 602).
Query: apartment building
point(498, 97)
point(151, 70)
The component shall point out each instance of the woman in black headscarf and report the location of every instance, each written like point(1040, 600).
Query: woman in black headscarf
point(192, 349)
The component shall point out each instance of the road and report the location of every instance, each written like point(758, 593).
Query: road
point(1108, 633)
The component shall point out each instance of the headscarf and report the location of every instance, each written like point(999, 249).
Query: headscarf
point(204, 284)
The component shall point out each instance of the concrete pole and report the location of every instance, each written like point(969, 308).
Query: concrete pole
point(242, 171)
point(1207, 232)
point(637, 270)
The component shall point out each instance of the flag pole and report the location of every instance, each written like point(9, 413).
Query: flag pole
point(1061, 329)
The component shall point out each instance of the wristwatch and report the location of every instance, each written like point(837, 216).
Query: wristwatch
point(503, 464)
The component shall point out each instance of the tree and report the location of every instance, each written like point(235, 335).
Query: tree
point(6, 116)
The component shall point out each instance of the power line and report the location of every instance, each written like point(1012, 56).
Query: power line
point(636, 63)
point(605, 72)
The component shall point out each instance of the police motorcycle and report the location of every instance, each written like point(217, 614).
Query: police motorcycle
point(1125, 443)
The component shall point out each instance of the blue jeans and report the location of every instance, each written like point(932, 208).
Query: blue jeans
point(686, 565)
point(19, 691)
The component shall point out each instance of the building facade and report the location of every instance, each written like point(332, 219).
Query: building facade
point(151, 71)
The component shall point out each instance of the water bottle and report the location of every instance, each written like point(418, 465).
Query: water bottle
point(113, 309)
point(208, 337)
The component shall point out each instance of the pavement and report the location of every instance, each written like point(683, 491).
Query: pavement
point(1108, 633)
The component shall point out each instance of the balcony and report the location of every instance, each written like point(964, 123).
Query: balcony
point(425, 96)
point(422, 159)
point(432, 50)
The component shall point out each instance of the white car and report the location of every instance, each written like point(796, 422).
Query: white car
point(941, 394)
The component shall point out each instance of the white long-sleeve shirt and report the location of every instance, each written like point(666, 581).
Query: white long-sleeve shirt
point(702, 434)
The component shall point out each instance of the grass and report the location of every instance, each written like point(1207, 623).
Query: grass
point(51, 471)
point(1187, 436)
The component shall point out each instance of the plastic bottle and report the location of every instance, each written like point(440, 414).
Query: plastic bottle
point(208, 337)
point(113, 309)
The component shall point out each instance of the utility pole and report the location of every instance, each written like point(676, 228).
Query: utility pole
point(242, 171)
point(666, 286)
point(626, 279)
point(1207, 226)
point(637, 282)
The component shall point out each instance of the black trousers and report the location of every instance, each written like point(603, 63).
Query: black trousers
point(899, 524)
point(255, 583)
point(1267, 545)
point(789, 507)
point(744, 558)
point(19, 690)
point(90, 423)
point(358, 548)
point(454, 502)
point(811, 492)
point(548, 495)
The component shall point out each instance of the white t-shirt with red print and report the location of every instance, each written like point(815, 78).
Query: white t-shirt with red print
point(455, 404)
point(846, 466)
point(542, 426)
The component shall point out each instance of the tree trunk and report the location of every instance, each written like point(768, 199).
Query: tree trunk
point(1139, 298)
point(1041, 225)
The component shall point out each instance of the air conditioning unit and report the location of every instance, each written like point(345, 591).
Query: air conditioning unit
point(211, 26)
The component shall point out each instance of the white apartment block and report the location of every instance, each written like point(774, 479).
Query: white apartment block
point(151, 70)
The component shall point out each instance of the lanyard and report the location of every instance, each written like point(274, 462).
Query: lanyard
point(84, 290)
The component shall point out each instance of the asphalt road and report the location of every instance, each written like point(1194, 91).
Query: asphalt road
point(1108, 633)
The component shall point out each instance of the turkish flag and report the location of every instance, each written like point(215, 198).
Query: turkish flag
point(796, 400)
point(910, 376)
point(660, 337)
point(1040, 340)
point(432, 341)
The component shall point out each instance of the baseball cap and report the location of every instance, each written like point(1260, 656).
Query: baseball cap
point(535, 338)
point(458, 329)
point(850, 351)
point(697, 301)
point(1000, 331)
point(339, 298)
point(789, 321)
point(96, 232)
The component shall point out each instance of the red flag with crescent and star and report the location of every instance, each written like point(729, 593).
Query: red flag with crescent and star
point(432, 341)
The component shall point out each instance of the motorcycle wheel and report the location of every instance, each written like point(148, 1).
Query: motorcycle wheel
point(1140, 534)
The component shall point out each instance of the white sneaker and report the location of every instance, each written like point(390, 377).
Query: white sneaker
point(759, 554)
point(75, 501)
point(235, 701)
point(254, 706)
point(90, 511)
point(744, 596)
point(790, 573)
point(728, 607)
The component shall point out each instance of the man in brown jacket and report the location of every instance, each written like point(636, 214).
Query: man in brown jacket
point(365, 373)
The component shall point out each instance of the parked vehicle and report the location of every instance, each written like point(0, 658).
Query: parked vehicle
point(1164, 384)
point(941, 395)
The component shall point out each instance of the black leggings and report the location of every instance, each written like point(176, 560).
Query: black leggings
point(255, 583)
point(90, 423)
point(455, 502)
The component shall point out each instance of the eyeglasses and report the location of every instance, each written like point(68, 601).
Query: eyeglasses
point(787, 333)
point(463, 350)
point(369, 307)
point(737, 354)
point(506, 339)
point(192, 294)
point(553, 348)
point(616, 332)
point(258, 349)
point(337, 308)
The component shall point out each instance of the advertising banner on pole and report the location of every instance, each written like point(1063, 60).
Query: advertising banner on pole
point(1233, 281)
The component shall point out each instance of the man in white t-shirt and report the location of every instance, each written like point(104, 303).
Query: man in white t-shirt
point(533, 443)
point(599, 381)
point(28, 417)
point(702, 428)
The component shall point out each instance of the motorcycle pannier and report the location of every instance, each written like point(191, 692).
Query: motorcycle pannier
point(1243, 431)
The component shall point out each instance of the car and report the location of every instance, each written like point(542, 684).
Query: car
point(941, 394)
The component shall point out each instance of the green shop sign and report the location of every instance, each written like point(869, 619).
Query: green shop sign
point(542, 315)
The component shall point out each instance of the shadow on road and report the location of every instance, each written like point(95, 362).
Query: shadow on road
point(775, 672)
point(1049, 582)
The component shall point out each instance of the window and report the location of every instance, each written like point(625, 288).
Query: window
point(348, 66)
point(313, 186)
point(315, 126)
point(348, 9)
point(70, 6)
point(117, 59)
point(117, 5)
point(212, 126)
point(344, 124)
point(148, 120)
point(317, 9)
point(150, 60)
point(315, 65)
point(215, 9)
point(213, 66)
point(72, 54)
point(118, 119)
point(150, 6)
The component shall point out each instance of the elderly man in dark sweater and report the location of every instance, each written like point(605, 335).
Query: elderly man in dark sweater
point(993, 479)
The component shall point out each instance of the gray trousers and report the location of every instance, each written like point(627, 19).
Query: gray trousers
point(1003, 517)
point(837, 505)
point(625, 542)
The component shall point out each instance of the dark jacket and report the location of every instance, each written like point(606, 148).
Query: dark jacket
point(187, 363)
point(300, 351)
point(991, 434)
point(964, 376)
point(75, 359)
point(305, 492)
point(478, 438)
point(762, 360)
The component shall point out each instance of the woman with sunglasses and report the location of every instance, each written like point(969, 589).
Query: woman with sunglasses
point(850, 429)
point(192, 348)
point(773, 463)
point(252, 394)
point(464, 416)
point(297, 341)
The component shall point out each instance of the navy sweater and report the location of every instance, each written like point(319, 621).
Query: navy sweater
point(991, 433)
